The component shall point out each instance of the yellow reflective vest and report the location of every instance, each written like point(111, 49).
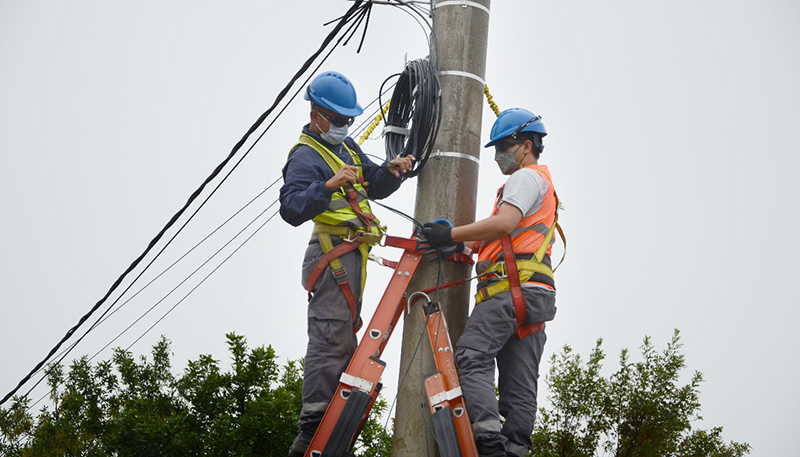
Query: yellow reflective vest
point(341, 211)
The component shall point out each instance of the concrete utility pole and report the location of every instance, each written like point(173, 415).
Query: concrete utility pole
point(447, 188)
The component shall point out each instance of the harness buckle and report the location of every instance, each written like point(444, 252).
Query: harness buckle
point(364, 237)
point(340, 276)
point(498, 269)
point(352, 235)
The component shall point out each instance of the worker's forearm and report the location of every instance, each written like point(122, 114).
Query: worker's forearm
point(486, 229)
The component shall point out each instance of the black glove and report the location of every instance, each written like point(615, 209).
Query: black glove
point(437, 234)
point(437, 239)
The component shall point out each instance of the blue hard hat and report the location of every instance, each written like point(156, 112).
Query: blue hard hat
point(514, 121)
point(332, 90)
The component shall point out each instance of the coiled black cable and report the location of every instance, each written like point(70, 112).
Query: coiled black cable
point(415, 114)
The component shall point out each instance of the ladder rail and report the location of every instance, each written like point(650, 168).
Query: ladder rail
point(446, 393)
point(366, 368)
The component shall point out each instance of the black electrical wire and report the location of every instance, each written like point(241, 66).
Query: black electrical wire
point(29, 407)
point(362, 127)
point(212, 271)
point(421, 16)
point(363, 15)
point(103, 317)
point(396, 211)
point(196, 270)
point(415, 114)
point(197, 245)
point(417, 101)
point(358, 11)
point(419, 104)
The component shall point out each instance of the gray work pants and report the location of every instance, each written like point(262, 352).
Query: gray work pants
point(331, 342)
point(490, 335)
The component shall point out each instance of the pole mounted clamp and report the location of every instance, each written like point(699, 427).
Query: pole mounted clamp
point(395, 129)
point(464, 74)
point(457, 155)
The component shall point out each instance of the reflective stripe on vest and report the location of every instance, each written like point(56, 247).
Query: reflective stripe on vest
point(502, 255)
point(340, 211)
point(531, 231)
point(348, 208)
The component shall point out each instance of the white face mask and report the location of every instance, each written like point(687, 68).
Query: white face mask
point(334, 135)
point(506, 161)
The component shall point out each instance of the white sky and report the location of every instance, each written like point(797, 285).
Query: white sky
point(671, 143)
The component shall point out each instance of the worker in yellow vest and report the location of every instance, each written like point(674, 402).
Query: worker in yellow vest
point(328, 179)
point(516, 290)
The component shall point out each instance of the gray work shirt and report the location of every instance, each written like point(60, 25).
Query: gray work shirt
point(526, 189)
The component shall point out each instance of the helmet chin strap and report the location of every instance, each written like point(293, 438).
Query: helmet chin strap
point(528, 157)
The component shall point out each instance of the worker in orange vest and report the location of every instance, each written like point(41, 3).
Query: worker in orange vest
point(516, 290)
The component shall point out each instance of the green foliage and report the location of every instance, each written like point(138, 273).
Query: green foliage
point(131, 408)
point(375, 440)
point(639, 411)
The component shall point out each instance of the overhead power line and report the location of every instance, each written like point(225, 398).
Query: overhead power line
point(352, 19)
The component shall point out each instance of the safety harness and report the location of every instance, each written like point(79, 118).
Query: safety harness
point(347, 214)
point(516, 271)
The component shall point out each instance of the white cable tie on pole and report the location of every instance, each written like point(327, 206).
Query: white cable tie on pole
point(456, 155)
point(463, 4)
point(465, 75)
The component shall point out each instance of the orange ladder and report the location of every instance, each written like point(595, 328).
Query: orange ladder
point(360, 385)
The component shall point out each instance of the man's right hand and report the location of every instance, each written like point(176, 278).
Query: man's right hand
point(348, 174)
point(437, 234)
point(437, 239)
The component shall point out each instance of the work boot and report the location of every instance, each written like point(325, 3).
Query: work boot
point(300, 444)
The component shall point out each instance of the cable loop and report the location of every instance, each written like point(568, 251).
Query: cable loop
point(417, 109)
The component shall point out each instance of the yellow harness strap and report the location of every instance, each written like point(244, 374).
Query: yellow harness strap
point(365, 240)
point(337, 221)
point(526, 268)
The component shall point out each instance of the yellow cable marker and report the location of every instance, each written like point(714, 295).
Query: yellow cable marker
point(489, 99)
point(375, 123)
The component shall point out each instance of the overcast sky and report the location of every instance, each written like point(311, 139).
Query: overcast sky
point(672, 145)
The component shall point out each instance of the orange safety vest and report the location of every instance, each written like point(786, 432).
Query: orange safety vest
point(523, 243)
point(530, 232)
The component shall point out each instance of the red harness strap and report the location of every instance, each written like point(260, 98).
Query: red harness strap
point(523, 330)
point(339, 275)
point(352, 198)
point(338, 251)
